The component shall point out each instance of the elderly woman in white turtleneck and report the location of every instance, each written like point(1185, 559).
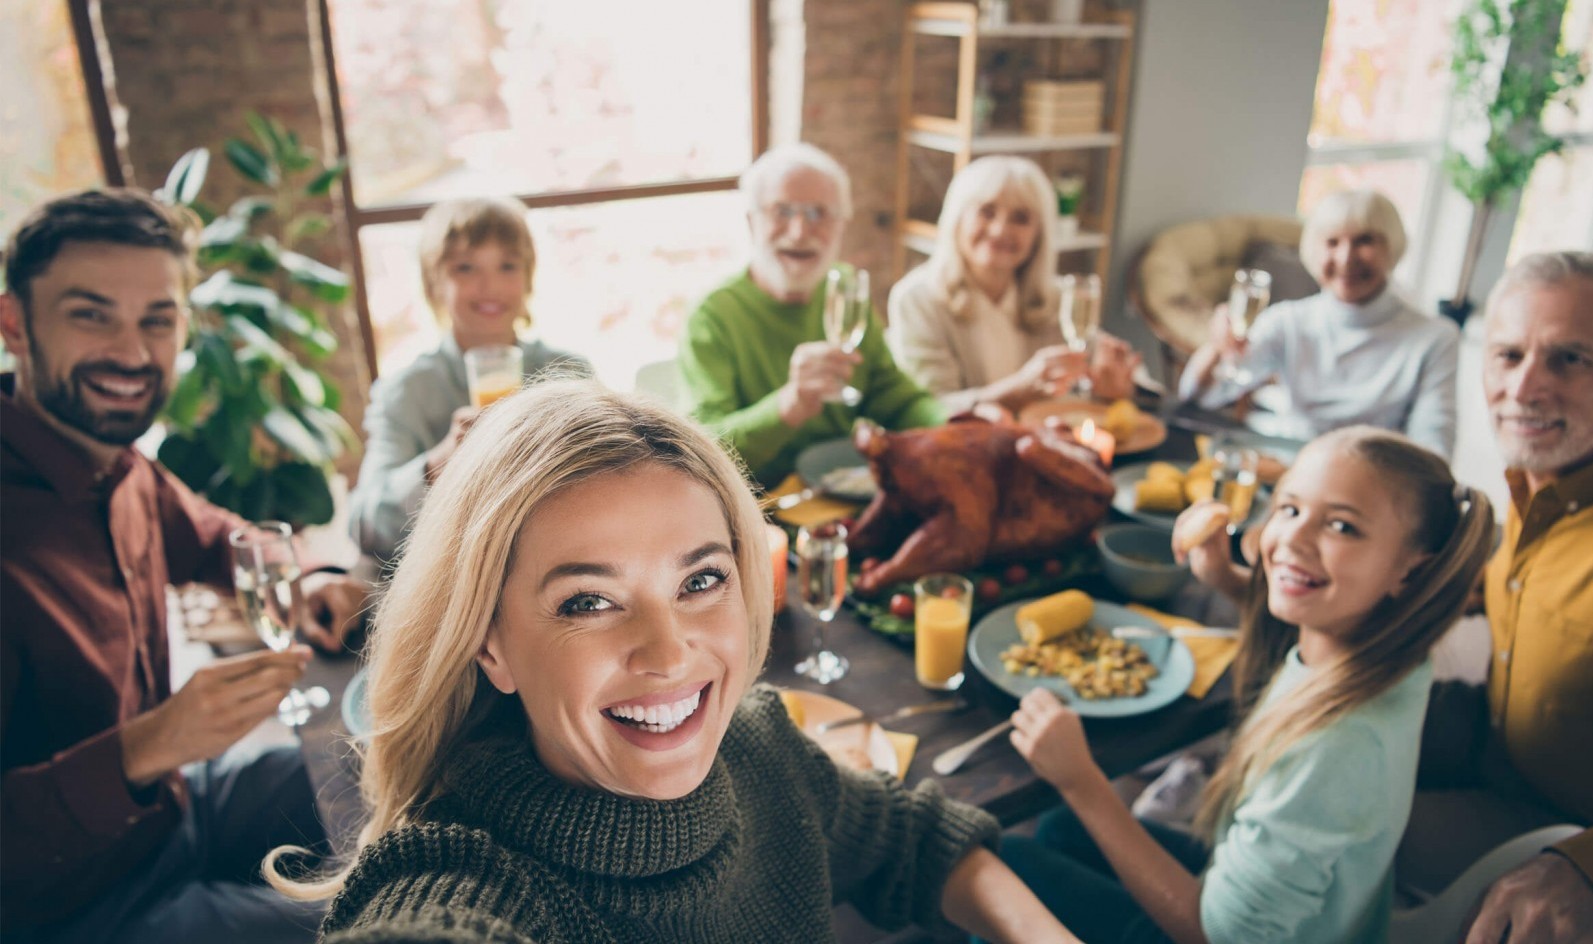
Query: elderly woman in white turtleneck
point(1354, 352)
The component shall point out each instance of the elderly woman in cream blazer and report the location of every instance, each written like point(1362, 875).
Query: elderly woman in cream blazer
point(977, 322)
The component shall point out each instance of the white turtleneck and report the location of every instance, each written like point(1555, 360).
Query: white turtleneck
point(1382, 363)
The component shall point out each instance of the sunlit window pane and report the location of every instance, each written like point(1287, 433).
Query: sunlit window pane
point(448, 99)
point(614, 281)
point(1384, 75)
point(1557, 206)
point(1577, 37)
point(47, 144)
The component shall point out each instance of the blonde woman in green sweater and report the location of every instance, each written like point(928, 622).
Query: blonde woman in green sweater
point(567, 745)
point(1366, 558)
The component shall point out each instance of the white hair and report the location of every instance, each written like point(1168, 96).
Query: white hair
point(1358, 209)
point(1542, 269)
point(982, 181)
point(777, 162)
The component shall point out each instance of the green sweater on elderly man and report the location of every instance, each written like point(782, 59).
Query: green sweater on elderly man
point(761, 851)
point(735, 354)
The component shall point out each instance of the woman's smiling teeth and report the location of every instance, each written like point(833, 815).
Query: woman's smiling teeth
point(1295, 577)
point(657, 719)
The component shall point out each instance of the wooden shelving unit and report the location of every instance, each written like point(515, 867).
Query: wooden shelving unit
point(953, 135)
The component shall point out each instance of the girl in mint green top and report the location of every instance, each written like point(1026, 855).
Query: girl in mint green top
point(1366, 558)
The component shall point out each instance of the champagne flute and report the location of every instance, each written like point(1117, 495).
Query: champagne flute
point(1079, 310)
point(821, 581)
point(1235, 480)
point(265, 573)
point(1247, 299)
point(846, 301)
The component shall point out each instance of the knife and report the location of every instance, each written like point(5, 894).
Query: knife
point(794, 499)
point(950, 759)
point(928, 707)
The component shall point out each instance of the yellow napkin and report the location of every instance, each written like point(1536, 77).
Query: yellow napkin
point(815, 510)
point(905, 745)
point(1213, 654)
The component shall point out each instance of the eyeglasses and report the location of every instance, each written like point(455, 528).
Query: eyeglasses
point(816, 214)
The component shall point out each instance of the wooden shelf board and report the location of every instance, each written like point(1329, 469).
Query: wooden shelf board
point(1014, 142)
point(919, 236)
point(955, 27)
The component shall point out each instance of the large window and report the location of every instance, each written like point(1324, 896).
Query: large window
point(1382, 110)
point(622, 125)
point(1382, 115)
point(47, 141)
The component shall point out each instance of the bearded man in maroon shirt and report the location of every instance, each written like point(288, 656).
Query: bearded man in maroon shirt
point(123, 817)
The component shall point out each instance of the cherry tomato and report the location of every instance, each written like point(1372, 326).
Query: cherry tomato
point(902, 605)
point(988, 590)
point(1051, 568)
point(1015, 574)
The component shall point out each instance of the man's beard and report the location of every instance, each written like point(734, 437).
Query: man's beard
point(64, 399)
point(1575, 445)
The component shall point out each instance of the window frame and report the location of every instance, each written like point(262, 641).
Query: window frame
point(357, 217)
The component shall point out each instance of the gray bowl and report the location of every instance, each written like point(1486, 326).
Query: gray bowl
point(1138, 561)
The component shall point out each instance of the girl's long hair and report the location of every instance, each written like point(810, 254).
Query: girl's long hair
point(427, 694)
point(1452, 524)
point(985, 179)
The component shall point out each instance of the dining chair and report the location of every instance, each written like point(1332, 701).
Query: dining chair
point(661, 381)
point(1440, 917)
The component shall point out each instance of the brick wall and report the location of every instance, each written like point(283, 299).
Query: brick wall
point(184, 73)
point(850, 77)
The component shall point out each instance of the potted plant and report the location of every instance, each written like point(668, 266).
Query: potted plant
point(1069, 191)
point(252, 423)
point(1508, 66)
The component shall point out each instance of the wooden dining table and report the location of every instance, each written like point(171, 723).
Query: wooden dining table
point(881, 680)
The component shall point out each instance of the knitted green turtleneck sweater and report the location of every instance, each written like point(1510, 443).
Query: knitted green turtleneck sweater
point(759, 852)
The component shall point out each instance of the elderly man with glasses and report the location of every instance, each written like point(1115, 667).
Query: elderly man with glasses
point(753, 356)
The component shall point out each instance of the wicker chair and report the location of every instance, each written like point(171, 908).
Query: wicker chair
point(1184, 271)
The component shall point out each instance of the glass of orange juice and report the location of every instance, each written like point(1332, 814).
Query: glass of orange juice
point(778, 543)
point(940, 629)
point(493, 372)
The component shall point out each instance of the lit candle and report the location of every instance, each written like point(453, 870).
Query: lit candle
point(777, 558)
point(1100, 440)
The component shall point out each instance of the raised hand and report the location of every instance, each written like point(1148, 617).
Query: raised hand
point(819, 370)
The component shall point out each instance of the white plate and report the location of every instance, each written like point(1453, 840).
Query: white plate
point(821, 459)
point(999, 629)
point(861, 746)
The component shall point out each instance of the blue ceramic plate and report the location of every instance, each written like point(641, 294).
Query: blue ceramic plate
point(1126, 477)
point(835, 459)
point(356, 713)
point(999, 629)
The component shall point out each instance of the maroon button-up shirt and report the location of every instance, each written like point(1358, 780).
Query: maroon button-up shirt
point(84, 564)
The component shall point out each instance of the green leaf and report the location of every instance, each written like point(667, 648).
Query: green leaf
point(303, 495)
point(187, 395)
point(226, 292)
point(251, 208)
point(288, 430)
point(213, 357)
point(229, 437)
point(306, 330)
point(309, 226)
point(267, 131)
point(323, 281)
point(251, 163)
point(323, 181)
point(223, 231)
point(187, 459)
point(305, 385)
point(186, 177)
point(332, 428)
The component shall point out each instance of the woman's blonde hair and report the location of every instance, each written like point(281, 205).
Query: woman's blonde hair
point(453, 225)
point(1351, 209)
point(1451, 524)
point(979, 182)
point(427, 694)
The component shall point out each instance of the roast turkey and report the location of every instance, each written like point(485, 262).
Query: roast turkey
point(972, 492)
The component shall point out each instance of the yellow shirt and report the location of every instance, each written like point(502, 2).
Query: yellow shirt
point(1540, 611)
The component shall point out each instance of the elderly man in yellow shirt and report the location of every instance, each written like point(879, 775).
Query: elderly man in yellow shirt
point(1532, 762)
